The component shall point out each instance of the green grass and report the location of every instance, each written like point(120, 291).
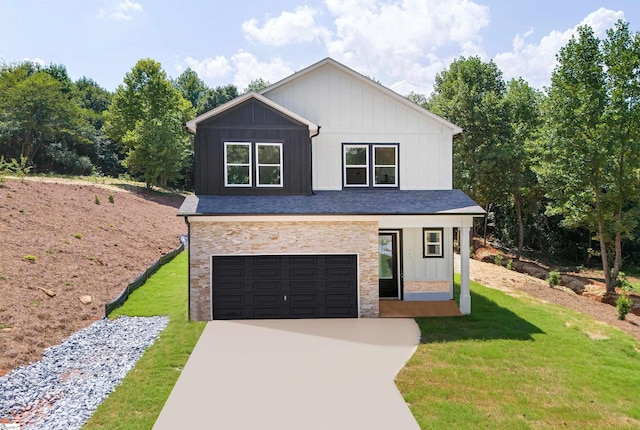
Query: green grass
point(517, 363)
point(137, 402)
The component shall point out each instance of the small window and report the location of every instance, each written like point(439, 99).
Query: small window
point(237, 164)
point(356, 167)
point(269, 164)
point(432, 241)
point(385, 166)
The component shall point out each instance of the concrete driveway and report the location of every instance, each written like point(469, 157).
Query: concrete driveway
point(294, 374)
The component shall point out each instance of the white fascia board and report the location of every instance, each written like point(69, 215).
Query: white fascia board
point(454, 128)
point(384, 221)
point(193, 124)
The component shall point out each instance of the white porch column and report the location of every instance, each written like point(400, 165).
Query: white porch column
point(465, 292)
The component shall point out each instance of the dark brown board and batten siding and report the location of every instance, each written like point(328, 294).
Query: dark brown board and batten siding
point(252, 121)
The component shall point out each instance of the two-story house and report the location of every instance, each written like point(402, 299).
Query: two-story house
point(319, 197)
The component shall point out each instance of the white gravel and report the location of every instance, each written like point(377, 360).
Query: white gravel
point(64, 389)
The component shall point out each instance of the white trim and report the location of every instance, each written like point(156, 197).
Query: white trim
point(399, 256)
point(358, 276)
point(283, 218)
point(439, 243)
point(193, 124)
point(355, 166)
point(374, 165)
point(389, 222)
point(226, 175)
point(330, 61)
point(280, 165)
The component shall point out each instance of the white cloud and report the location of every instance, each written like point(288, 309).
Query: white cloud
point(35, 60)
point(405, 39)
point(121, 12)
point(289, 27)
point(208, 68)
point(249, 68)
point(535, 61)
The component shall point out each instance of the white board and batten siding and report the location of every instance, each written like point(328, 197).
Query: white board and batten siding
point(418, 268)
point(354, 110)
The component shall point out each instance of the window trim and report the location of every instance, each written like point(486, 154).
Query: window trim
point(258, 165)
point(395, 165)
point(426, 243)
point(370, 166)
point(357, 166)
point(227, 164)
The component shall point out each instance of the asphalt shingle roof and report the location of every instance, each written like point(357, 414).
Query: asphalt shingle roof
point(347, 202)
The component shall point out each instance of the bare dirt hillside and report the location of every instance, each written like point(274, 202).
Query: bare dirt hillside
point(56, 237)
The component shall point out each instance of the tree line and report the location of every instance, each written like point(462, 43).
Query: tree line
point(51, 124)
point(558, 171)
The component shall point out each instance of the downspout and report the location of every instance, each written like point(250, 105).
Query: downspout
point(186, 221)
point(311, 160)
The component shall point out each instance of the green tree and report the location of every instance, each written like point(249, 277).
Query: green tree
point(191, 87)
point(470, 93)
point(523, 103)
point(257, 85)
point(147, 117)
point(590, 164)
point(216, 97)
point(36, 111)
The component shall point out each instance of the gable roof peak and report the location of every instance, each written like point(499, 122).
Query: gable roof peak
point(193, 124)
point(368, 81)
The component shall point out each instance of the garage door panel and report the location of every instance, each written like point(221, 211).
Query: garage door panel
point(266, 273)
point(264, 286)
point(345, 286)
point(267, 299)
point(303, 273)
point(305, 312)
point(297, 285)
point(267, 313)
point(284, 286)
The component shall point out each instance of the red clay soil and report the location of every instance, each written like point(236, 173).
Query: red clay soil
point(56, 237)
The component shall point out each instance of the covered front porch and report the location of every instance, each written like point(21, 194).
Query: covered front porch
point(416, 265)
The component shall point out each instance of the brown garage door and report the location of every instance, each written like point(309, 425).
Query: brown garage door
point(285, 286)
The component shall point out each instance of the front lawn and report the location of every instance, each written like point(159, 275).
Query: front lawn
point(519, 363)
point(514, 363)
point(137, 402)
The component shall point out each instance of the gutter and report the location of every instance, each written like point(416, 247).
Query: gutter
point(311, 159)
point(186, 221)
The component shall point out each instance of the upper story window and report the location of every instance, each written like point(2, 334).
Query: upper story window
point(269, 162)
point(239, 162)
point(370, 165)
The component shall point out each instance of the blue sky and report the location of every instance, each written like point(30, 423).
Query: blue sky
point(402, 43)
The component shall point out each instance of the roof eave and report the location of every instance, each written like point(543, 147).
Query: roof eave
point(193, 124)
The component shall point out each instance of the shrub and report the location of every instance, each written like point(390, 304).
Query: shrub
point(554, 278)
point(111, 198)
point(78, 235)
point(96, 200)
point(30, 258)
point(510, 264)
point(498, 259)
point(623, 305)
point(623, 283)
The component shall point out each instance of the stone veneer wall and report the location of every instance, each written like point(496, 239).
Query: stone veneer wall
point(273, 237)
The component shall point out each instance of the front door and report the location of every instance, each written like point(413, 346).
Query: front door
point(389, 264)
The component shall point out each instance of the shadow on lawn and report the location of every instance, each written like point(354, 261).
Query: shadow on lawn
point(488, 320)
